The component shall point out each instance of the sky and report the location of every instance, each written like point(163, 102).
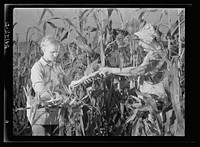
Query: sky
point(28, 17)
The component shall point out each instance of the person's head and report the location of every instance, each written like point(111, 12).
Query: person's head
point(50, 47)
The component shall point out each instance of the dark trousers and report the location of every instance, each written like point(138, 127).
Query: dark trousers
point(45, 130)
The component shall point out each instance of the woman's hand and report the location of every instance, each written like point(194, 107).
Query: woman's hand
point(105, 71)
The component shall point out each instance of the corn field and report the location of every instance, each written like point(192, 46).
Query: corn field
point(148, 100)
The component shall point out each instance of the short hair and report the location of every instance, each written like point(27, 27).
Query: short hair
point(48, 39)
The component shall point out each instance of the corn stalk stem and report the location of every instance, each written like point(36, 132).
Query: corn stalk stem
point(88, 61)
point(179, 31)
point(18, 62)
point(107, 120)
point(122, 18)
point(131, 52)
point(102, 54)
point(101, 44)
point(179, 59)
point(168, 39)
point(136, 56)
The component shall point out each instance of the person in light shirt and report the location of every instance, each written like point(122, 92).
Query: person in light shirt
point(47, 76)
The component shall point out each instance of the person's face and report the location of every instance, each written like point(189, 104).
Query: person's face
point(51, 52)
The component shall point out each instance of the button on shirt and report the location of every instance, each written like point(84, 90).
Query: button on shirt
point(45, 77)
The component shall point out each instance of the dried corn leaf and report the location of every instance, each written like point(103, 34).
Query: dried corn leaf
point(43, 12)
point(146, 34)
point(70, 23)
point(91, 67)
point(83, 46)
point(174, 88)
point(157, 89)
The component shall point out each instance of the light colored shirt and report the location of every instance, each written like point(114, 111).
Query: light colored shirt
point(47, 77)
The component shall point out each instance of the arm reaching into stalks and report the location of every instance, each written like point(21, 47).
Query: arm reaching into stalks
point(128, 71)
point(145, 37)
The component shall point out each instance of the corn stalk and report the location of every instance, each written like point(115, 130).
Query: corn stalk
point(18, 63)
point(108, 110)
point(179, 34)
point(101, 44)
point(168, 38)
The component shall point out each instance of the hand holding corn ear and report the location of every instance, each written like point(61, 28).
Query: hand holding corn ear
point(55, 97)
point(88, 79)
point(105, 71)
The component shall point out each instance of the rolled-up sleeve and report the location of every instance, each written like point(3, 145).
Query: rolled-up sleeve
point(37, 79)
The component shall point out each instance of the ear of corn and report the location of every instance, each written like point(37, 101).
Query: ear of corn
point(138, 103)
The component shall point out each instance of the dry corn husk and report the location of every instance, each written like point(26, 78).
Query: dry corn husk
point(146, 34)
point(157, 89)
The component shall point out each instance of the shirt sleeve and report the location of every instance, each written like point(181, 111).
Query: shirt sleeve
point(37, 79)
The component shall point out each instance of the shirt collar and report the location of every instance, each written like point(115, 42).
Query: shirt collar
point(44, 62)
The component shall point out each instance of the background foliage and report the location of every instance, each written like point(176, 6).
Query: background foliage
point(111, 105)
